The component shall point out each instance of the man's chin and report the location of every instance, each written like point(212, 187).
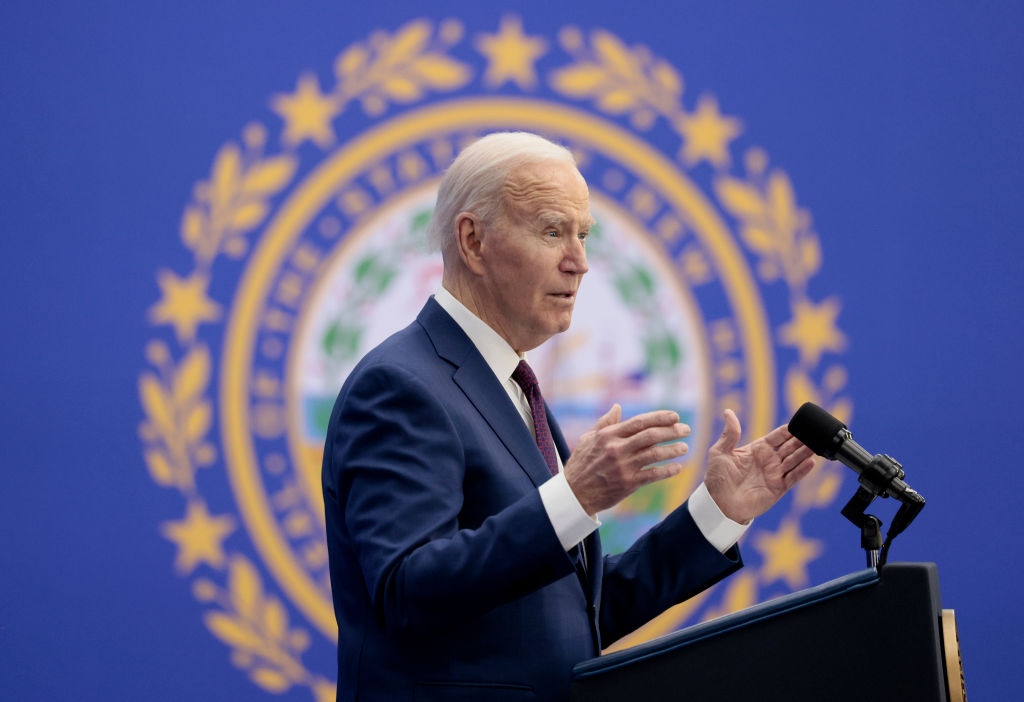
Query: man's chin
point(549, 330)
point(564, 323)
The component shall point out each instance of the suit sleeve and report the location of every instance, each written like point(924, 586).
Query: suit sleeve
point(396, 467)
point(669, 564)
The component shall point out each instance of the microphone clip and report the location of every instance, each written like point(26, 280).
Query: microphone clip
point(884, 476)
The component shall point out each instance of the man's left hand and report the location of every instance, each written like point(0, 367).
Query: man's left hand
point(746, 481)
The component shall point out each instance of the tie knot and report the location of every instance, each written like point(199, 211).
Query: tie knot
point(524, 375)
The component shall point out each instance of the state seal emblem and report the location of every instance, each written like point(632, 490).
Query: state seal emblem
point(307, 249)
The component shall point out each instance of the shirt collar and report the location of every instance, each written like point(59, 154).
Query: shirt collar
point(500, 357)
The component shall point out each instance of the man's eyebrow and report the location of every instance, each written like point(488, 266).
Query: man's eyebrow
point(551, 220)
point(560, 221)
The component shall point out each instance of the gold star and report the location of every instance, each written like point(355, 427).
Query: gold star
point(786, 554)
point(199, 537)
point(707, 134)
point(184, 304)
point(511, 54)
point(813, 329)
point(307, 113)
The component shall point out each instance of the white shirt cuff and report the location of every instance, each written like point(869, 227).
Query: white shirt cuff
point(720, 531)
point(571, 523)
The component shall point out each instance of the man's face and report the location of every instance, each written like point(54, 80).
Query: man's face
point(534, 256)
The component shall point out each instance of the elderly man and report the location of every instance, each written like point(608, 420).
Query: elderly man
point(465, 563)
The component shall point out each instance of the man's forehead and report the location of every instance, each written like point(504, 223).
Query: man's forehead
point(550, 209)
point(547, 185)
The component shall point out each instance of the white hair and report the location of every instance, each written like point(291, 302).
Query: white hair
point(475, 180)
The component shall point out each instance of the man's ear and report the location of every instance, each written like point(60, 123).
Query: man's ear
point(469, 239)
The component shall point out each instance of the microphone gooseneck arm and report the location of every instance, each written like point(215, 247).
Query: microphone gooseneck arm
point(879, 476)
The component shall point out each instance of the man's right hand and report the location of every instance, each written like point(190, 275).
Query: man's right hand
point(608, 463)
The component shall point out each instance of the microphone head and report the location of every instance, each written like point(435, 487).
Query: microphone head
point(816, 428)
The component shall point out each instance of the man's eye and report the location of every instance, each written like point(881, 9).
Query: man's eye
point(551, 232)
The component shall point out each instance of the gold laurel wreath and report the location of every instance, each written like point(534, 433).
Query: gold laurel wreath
point(255, 626)
point(401, 68)
point(620, 80)
point(178, 417)
point(236, 199)
point(225, 209)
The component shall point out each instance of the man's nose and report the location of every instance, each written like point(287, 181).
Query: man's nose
point(575, 259)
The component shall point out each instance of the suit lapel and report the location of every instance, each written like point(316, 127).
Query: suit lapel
point(476, 380)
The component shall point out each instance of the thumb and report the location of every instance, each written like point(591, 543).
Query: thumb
point(610, 417)
point(730, 434)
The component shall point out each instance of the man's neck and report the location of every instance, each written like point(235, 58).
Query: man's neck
point(473, 301)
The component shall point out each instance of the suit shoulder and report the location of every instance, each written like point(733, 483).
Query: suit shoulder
point(409, 349)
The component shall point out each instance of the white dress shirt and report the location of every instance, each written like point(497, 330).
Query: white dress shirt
point(571, 523)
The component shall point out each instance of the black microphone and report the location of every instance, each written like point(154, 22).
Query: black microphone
point(879, 475)
point(828, 437)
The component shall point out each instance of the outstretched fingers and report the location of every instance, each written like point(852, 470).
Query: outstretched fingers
point(655, 436)
point(730, 434)
point(648, 438)
point(799, 470)
point(794, 459)
point(612, 416)
point(653, 474)
point(660, 453)
point(617, 457)
point(778, 437)
point(635, 425)
point(789, 447)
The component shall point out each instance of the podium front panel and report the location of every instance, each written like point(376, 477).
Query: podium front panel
point(862, 637)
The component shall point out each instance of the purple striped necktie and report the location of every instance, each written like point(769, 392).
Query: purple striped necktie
point(524, 375)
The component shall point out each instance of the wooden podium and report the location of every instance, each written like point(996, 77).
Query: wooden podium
point(861, 637)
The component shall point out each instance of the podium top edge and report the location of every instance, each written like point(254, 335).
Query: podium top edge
point(698, 632)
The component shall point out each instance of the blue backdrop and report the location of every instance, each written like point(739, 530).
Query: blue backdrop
point(897, 123)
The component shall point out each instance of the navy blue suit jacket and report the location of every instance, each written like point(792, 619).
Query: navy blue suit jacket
point(448, 580)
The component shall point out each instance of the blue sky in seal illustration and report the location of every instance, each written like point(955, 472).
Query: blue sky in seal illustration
point(898, 124)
